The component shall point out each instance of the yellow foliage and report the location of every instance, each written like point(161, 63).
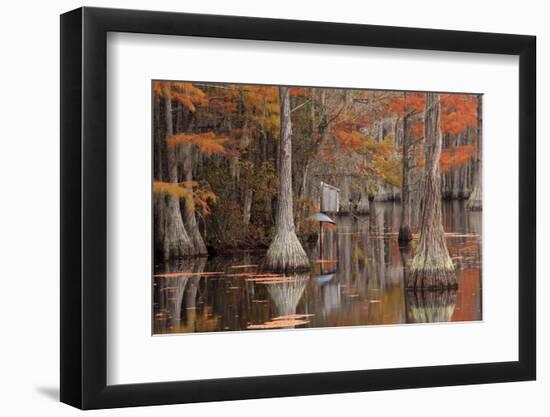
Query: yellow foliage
point(389, 170)
point(383, 149)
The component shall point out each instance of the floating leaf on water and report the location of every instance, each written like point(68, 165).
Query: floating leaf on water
point(277, 324)
point(187, 274)
point(293, 316)
point(276, 281)
point(268, 275)
point(462, 234)
point(326, 261)
point(240, 274)
point(243, 266)
point(277, 278)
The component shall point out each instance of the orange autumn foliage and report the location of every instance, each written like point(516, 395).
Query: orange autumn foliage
point(349, 140)
point(191, 191)
point(174, 189)
point(208, 143)
point(297, 91)
point(458, 112)
point(406, 104)
point(261, 105)
point(185, 93)
point(456, 156)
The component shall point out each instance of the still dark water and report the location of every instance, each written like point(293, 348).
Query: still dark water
point(359, 281)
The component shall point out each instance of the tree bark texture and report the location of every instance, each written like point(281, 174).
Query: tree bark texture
point(285, 252)
point(363, 207)
point(189, 216)
point(458, 182)
point(175, 240)
point(249, 193)
point(475, 200)
point(432, 267)
point(405, 234)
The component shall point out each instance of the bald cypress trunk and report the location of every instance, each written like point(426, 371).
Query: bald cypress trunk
point(475, 200)
point(189, 216)
point(363, 207)
point(249, 193)
point(285, 252)
point(405, 234)
point(174, 237)
point(159, 202)
point(432, 267)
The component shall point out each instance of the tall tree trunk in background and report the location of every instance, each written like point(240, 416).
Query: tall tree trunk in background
point(345, 196)
point(285, 252)
point(175, 240)
point(475, 200)
point(405, 234)
point(432, 267)
point(303, 187)
point(189, 216)
point(159, 199)
point(247, 206)
point(363, 207)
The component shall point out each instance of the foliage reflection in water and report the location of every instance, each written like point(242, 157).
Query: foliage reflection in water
point(359, 281)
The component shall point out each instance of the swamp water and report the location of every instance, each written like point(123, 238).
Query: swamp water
point(358, 280)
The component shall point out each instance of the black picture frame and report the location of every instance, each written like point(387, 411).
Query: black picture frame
point(84, 207)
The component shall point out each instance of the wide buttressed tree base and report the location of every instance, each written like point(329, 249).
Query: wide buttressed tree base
point(285, 252)
point(175, 241)
point(432, 267)
point(172, 238)
point(475, 202)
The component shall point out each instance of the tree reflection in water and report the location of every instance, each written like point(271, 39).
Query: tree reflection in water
point(286, 295)
point(430, 306)
point(175, 305)
point(360, 281)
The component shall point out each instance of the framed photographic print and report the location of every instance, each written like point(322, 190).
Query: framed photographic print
point(256, 208)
